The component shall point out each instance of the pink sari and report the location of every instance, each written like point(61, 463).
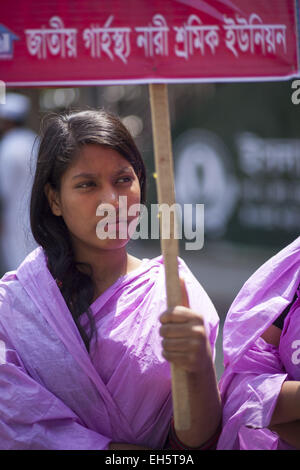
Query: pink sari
point(54, 395)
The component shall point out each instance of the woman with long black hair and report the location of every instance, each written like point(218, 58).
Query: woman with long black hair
point(85, 337)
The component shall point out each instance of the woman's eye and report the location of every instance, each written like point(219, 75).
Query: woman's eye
point(86, 185)
point(124, 179)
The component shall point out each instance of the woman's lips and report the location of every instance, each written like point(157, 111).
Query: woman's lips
point(120, 228)
point(117, 222)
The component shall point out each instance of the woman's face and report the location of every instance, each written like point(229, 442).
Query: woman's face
point(98, 177)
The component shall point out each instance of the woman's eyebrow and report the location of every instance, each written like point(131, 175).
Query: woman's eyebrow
point(85, 175)
point(94, 175)
point(124, 168)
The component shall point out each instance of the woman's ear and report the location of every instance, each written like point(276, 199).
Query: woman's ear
point(53, 199)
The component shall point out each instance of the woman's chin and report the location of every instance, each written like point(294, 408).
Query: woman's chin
point(113, 241)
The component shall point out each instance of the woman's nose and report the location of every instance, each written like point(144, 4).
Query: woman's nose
point(108, 203)
point(109, 195)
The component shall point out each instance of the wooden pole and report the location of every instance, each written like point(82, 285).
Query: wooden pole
point(169, 246)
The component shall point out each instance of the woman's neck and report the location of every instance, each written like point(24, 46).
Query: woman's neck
point(108, 266)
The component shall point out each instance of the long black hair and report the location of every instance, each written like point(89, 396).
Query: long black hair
point(62, 136)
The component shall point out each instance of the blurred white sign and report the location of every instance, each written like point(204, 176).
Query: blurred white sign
point(204, 174)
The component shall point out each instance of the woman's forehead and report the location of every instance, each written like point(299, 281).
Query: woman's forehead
point(99, 159)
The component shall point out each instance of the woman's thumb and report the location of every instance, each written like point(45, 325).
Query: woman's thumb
point(184, 294)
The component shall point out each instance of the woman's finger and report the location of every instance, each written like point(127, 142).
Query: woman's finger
point(185, 331)
point(179, 314)
point(180, 344)
point(186, 360)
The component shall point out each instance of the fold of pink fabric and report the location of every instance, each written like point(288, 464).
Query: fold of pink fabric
point(255, 370)
point(56, 395)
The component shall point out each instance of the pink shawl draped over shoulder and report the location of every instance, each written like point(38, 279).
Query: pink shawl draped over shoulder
point(254, 371)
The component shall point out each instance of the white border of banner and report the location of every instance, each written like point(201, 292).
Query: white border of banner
point(146, 81)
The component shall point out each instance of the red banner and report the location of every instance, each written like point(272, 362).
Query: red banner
point(75, 42)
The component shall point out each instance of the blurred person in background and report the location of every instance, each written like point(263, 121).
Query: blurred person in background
point(17, 152)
